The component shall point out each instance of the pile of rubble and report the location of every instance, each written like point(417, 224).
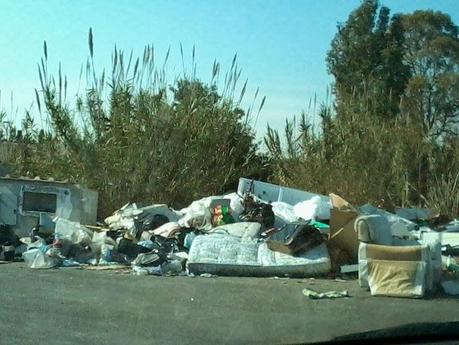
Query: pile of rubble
point(262, 230)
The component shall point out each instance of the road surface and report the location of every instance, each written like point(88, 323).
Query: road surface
point(74, 306)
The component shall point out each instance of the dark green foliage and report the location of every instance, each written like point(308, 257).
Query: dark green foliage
point(365, 58)
point(431, 51)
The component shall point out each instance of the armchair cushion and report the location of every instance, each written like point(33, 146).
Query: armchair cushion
point(403, 271)
point(396, 278)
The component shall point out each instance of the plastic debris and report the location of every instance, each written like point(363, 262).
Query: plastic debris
point(450, 287)
point(146, 259)
point(173, 267)
point(295, 237)
point(257, 211)
point(189, 238)
point(328, 294)
point(312, 209)
point(208, 275)
point(451, 264)
point(70, 263)
point(149, 270)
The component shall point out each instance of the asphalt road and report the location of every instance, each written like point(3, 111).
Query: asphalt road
point(72, 306)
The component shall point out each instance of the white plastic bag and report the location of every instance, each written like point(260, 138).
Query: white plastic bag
point(198, 216)
point(40, 258)
point(167, 230)
point(284, 211)
point(314, 208)
point(236, 204)
point(99, 239)
point(106, 254)
point(198, 205)
point(73, 231)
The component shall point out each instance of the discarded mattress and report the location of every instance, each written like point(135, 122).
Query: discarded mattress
point(240, 229)
point(234, 256)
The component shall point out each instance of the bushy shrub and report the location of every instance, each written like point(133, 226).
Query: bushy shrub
point(365, 159)
point(136, 137)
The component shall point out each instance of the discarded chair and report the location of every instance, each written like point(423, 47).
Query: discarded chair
point(390, 266)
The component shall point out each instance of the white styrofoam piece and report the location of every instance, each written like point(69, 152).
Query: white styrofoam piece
point(271, 192)
point(445, 238)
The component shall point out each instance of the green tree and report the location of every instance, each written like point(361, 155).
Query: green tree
point(431, 52)
point(365, 59)
point(404, 66)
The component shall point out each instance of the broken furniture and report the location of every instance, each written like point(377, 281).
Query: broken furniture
point(394, 267)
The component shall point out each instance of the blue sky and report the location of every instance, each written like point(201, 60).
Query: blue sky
point(281, 45)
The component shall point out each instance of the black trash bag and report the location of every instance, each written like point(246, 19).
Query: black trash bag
point(8, 251)
point(180, 238)
point(167, 245)
point(130, 249)
point(77, 251)
point(7, 235)
point(148, 222)
point(155, 222)
point(295, 237)
point(8, 242)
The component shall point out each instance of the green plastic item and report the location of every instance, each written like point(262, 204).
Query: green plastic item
point(451, 265)
point(423, 222)
point(320, 225)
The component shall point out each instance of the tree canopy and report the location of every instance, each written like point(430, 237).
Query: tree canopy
point(406, 64)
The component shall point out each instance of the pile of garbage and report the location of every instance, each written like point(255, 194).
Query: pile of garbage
point(261, 230)
point(157, 239)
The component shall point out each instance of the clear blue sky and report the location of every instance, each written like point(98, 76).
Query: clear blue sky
point(281, 45)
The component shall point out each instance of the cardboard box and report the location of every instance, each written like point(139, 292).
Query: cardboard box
point(342, 233)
